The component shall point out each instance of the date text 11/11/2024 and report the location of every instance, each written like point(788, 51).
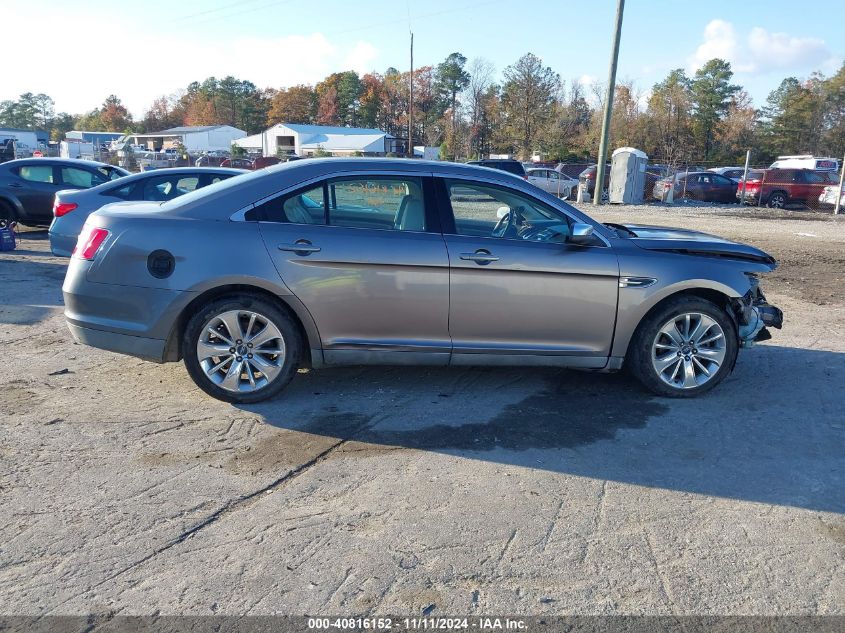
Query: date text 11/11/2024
point(417, 624)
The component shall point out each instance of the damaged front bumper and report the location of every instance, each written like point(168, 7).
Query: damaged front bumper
point(755, 315)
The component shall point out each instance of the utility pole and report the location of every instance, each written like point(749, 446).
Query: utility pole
point(411, 103)
point(608, 104)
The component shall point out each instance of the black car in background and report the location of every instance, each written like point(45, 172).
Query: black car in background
point(699, 185)
point(27, 186)
point(512, 166)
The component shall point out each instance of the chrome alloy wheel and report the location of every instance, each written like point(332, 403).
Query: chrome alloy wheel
point(241, 351)
point(688, 350)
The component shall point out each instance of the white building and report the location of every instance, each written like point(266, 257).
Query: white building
point(306, 140)
point(195, 138)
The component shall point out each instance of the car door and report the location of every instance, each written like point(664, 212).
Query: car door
point(35, 185)
point(724, 189)
point(516, 286)
point(365, 255)
point(537, 177)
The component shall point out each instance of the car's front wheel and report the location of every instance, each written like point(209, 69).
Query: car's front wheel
point(685, 348)
point(241, 349)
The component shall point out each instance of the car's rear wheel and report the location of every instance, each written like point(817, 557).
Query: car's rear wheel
point(685, 348)
point(777, 200)
point(241, 349)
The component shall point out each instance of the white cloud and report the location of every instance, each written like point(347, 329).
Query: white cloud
point(361, 58)
point(141, 69)
point(719, 41)
point(761, 51)
point(779, 50)
point(586, 80)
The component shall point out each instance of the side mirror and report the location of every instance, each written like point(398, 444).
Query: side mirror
point(581, 234)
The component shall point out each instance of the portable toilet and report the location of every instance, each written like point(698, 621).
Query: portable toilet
point(627, 176)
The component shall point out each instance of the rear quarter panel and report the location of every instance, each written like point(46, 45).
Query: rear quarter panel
point(207, 253)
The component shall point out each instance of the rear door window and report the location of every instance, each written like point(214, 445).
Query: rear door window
point(36, 173)
point(303, 206)
point(383, 202)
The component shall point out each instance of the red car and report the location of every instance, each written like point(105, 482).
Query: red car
point(777, 188)
point(238, 163)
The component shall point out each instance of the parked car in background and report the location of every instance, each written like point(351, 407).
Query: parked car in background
point(777, 188)
point(827, 198)
point(72, 208)
point(587, 180)
point(209, 160)
point(698, 185)
point(491, 271)
point(237, 163)
point(511, 166)
point(549, 180)
point(266, 161)
point(28, 186)
point(734, 173)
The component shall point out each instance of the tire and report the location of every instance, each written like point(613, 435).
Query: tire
point(689, 369)
point(7, 214)
point(213, 373)
point(777, 200)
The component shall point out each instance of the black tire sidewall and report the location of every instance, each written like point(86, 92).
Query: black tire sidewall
point(639, 356)
point(290, 335)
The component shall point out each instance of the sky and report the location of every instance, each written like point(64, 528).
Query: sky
point(81, 51)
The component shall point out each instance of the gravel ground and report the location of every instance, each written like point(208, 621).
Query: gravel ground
point(459, 491)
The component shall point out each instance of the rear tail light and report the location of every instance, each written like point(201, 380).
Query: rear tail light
point(89, 243)
point(63, 208)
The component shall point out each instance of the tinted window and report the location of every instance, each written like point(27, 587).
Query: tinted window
point(722, 181)
point(814, 178)
point(36, 173)
point(160, 189)
point(122, 192)
point(486, 211)
point(377, 203)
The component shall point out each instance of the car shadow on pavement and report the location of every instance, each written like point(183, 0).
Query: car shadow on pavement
point(772, 433)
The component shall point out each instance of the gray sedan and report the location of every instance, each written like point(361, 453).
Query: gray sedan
point(364, 261)
point(71, 208)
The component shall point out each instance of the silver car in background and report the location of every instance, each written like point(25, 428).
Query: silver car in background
point(71, 207)
point(377, 261)
point(552, 181)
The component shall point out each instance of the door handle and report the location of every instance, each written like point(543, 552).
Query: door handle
point(479, 257)
point(15, 185)
point(300, 247)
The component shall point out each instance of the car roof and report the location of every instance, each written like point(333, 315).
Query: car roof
point(223, 199)
point(55, 161)
point(170, 171)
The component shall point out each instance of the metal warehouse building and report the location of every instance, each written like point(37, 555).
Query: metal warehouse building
point(195, 138)
point(306, 140)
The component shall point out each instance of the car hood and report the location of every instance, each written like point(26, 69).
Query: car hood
point(661, 238)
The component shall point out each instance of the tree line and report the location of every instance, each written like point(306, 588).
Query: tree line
point(460, 106)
